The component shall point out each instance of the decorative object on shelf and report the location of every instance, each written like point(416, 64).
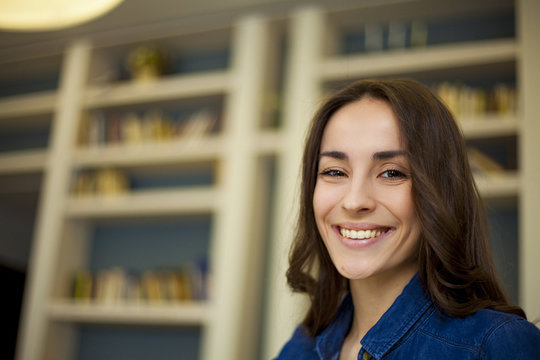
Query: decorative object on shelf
point(82, 287)
point(385, 36)
point(146, 63)
point(419, 34)
point(482, 164)
point(374, 37)
point(198, 124)
point(397, 35)
point(100, 182)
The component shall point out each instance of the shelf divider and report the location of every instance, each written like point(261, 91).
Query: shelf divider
point(23, 161)
point(174, 87)
point(31, 104)
point(421, 59)
point(131, 313)
point(148, 203)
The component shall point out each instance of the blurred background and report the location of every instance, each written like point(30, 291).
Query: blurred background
point(149, 159)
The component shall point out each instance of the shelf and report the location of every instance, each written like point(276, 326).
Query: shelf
point(155, 202)
point(422, 59)
point(270, 142)
point(175, 151)
point(23, 161)
point(167, 88)
point(189, 313)
point(502, 185)
point(181, 150)
point(490, 126)
point(24, 105)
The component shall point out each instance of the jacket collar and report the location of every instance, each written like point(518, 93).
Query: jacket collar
point(406, 310)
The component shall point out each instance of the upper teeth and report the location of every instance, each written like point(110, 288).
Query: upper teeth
point(359, 234)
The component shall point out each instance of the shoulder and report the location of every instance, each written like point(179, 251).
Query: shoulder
point(300, 346)
point(488, 333)
point(513, 337)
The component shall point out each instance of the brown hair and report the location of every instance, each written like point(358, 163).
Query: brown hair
point(454, 259)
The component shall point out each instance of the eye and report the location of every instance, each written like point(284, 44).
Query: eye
point(333, 173)
point(393, 174)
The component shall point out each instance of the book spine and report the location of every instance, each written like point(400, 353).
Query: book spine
point(190, 282)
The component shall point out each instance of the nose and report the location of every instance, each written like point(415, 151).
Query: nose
point(359, 197)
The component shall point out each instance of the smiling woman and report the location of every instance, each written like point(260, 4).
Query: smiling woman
point(391, 246)
point(364, 188)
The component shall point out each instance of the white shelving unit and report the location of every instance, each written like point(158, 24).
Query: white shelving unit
point(24, 125)
point(12, 109)
point(313, 63)
point(238, 197)
point(500, 185)
point(63, 237)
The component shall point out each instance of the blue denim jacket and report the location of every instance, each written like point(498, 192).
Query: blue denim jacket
point(414, 328)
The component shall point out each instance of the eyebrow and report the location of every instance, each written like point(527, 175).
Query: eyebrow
point(334, 154)
point(377, 156)
point(385, 155)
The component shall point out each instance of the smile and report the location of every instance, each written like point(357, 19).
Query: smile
point(362, 234)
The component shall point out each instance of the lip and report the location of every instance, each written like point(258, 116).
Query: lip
point(361, 243)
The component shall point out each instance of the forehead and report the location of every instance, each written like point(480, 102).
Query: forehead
point(364, 125)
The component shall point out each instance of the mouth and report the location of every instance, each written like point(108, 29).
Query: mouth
point(363, 234)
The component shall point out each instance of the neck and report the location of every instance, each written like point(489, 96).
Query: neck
point(373, 296)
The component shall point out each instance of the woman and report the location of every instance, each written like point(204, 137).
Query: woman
point(391, 246)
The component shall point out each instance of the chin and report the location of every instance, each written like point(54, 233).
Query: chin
point(354, 272)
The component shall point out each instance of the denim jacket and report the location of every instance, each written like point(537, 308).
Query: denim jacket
point(414, 328)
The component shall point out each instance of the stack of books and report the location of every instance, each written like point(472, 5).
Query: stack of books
point(119, 285)
point(100, 128)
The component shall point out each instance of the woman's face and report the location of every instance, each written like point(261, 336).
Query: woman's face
point(362, 202)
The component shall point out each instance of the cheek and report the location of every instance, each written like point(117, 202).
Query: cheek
point(317, 206)
point(400, 202)
point(322, 205)
point(406, 211)
point(323, 201)
point(409, 211)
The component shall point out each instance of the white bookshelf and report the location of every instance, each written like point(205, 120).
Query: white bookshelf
point(63, 234)
point(236, 199)
point(314, 64)
point(25, 112)
point(501, 184)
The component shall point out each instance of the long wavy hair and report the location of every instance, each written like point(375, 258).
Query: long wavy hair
point(454, 259)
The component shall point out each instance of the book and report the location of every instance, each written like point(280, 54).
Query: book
point(82, 289)
point(482, 164)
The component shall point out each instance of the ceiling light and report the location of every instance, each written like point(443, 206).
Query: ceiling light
point(38, 15)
